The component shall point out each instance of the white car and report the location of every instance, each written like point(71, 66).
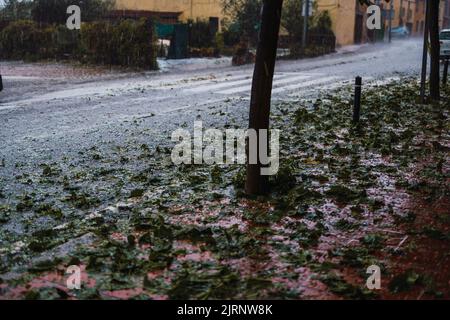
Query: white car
point(445, 43)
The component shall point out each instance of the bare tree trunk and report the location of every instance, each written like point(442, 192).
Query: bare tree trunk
point(435, 49)
point(262, 87)
point(426, 33)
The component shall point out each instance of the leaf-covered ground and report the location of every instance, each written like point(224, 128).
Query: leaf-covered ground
point(346, 197)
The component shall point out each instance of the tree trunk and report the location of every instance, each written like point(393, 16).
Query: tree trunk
point(262, 88)
point(435, 49)
point(423, 76)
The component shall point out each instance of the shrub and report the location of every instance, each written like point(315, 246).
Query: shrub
point(231, 35)
point(200, 34)
point(203, 41)
point(66, 42)
point(320, 39)
point(128, 43)
point(245, 15)
point(23, 39)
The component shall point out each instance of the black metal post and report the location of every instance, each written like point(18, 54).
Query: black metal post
point(357, 104)
point(445, 75)
point(305, 25)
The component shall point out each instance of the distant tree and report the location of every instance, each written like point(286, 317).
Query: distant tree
point(54, 11)
point(245, 17)
point(292, 21)
point(322, 21)
point(17, 10)
point(435, 48)
point(231, 33)
point(200, 35)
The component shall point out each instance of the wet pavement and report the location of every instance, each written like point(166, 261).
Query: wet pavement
point(50, 111)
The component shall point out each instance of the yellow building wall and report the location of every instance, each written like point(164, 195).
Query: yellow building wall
point(190, 9)
point(404, 18)
point(342, 14)
point(416, 16)
point(442, 15)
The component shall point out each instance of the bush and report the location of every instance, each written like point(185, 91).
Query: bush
point(245, 17)
point(66, 42)
point(231, 35)
point(319, 42)
point(127, 43)
point(200, 34)
point(23, 39)
point(242, 55)
point(204, 42)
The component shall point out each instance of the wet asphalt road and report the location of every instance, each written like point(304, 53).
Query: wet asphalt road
point(47, 119)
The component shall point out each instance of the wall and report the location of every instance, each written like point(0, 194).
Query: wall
point(342, 12)
point(405, 16)
point(189, 9)
point(444, 17)
point(343, 15)
point(417, 17)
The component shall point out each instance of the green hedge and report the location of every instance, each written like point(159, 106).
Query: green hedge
point(128, 43)
point(203, 41)
point(24, 40)
point(125, 43)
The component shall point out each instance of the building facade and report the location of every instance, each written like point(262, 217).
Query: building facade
point(172, 11)
point(343, 13)
point(345, 17)
point(445, 15)
point(348, 16)
point(411, 14)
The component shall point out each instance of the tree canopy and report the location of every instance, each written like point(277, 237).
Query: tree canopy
point(16, 10)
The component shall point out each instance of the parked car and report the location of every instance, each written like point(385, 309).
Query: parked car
point(444, 38)
point(400, 32)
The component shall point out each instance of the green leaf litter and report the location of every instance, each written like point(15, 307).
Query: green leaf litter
point(189, 232)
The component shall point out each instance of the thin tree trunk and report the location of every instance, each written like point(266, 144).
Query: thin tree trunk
point(423, 76)
point(435, 49)
point(262, 87)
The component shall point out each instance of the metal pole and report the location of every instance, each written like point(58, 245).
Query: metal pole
point(424, 56)
point(357, 104)
point(445, 75)
point(305, 24)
